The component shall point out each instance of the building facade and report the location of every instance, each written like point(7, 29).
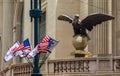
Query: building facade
point(16, 24)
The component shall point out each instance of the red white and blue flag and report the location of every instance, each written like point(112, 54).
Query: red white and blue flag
point(43, 45)
point(9, 55)
point(23, 49)
point(46, 45)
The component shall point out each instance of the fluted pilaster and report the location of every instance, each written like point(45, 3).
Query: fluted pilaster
point(7, 29)
point(27, 26)
point(17, 23)
point(116, 28)
point(83, 12)
point(1, 25)
point(109, 35)
point(99, 35)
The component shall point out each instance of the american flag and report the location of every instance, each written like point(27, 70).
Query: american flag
point(52, 44)
point(23, 49)
point(46, 45)
point(43, 45)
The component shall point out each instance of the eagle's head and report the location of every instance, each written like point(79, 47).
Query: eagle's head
point(75, 20)
point(76, 16)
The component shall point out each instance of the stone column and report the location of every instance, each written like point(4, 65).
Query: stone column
point(51, 24)
point(17, 24)
point(110, 28)
point(99, 43)
point(14, 24)
point(7, 35)
point(1, 26)
point(83, 12)
point(27, 25)
point(116, 28)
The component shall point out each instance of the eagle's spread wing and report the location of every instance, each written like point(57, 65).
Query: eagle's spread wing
point(65, 18)
point(94, 19)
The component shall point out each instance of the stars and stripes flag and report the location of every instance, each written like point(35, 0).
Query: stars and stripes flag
point(43, 45)
point(46, 45)
point(9, 55)
point(23, 50)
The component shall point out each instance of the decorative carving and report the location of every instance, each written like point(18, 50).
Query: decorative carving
point(80, 38)
point(87, 65)
point(118, 64)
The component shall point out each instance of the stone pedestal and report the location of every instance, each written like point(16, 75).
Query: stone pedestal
point(80, 42)
point(81, 53)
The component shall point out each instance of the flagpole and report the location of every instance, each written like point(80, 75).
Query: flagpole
point(44, 59)
point(36, 13)
point(29, 61)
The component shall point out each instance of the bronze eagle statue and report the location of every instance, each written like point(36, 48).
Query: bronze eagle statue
point(81, 27)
